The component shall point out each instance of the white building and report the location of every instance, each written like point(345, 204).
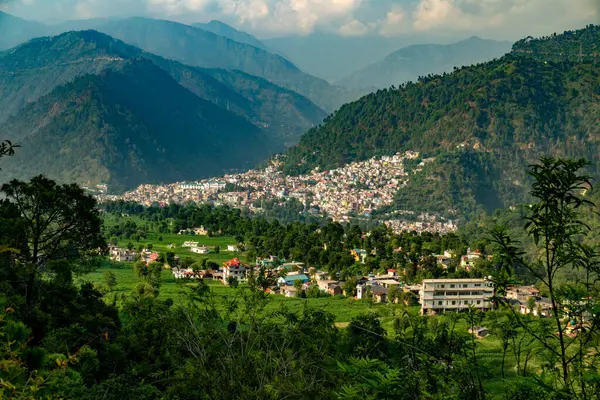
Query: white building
point(200, 250)
point(468, 261)
point(235, 269)
point(122, 255)
point(232, 247)
point(442, 295)
point(190, 244)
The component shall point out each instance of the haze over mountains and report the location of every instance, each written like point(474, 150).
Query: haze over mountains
point(408, 63)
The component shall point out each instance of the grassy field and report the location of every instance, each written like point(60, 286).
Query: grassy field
point(178, 240)
point(342, 308)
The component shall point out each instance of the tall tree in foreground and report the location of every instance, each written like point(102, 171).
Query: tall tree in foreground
point(565, 267)
point(54, 228)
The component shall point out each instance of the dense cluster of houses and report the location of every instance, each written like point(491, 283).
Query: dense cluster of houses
point(352, 191)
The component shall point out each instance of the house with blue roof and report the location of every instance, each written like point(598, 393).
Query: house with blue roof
point(290, 279)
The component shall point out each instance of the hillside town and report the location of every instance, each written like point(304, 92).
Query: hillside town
point(353, 191)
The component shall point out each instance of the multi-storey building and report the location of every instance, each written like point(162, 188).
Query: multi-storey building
point(443, 295)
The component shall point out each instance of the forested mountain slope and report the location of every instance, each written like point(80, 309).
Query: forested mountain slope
point(484, 123)
point(129, 127)
point(37, 67)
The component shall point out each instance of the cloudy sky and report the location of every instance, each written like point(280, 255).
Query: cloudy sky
point(267, 18)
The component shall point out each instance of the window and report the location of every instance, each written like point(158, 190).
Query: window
point(478, 301)
point(478, 285)
point(466, 301)
point(465, 285)
point(452, 286)
point(440, 303)
point(442, 286)
point(453, 302)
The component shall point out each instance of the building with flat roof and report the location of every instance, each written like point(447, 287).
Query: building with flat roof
point(452, 295)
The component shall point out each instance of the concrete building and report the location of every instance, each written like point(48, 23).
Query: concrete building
point(200, 250)
point(443, 295)
point(234, 268)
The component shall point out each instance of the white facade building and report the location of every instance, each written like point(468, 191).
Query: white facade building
point(443, 295)
point(200, 250)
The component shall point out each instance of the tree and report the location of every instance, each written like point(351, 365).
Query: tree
point(554, 224)
point(7, 148)
point(55, 227)
point(233, 282)
point(217, 249)
point(110, 279)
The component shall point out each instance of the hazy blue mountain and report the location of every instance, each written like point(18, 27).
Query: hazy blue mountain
point(409, 63)
point(222, 29)
point(332, 57)
point(35, 68)
point(130, 126)
point(14, 30)
point(197, 47)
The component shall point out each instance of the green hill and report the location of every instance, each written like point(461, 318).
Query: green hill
point(409, 63)
point(127, 127)
point(37, 67)
point(483, 124)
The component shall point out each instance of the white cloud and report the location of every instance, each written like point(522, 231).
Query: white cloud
point(499, 18)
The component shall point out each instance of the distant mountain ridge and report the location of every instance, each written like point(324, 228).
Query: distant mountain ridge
point(483, 124)
point(37, 67)
point(117, 128)
point(409, 63)
point(14, 30)
point(222, 29)
point(181, 42)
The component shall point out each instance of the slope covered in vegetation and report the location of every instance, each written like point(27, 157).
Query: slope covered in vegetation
point(117, 128)
point(500, 115)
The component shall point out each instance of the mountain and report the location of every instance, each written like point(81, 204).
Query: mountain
point(409, 63)
point(332, 56)
point(197, 47)
point(222, 29)
point(483, 125)
point(37, 67)
point(14, 30)
point(129, 126)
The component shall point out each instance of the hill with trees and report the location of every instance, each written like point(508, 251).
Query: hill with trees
point(130, 126)
point(35, 68)
point(483, 124)
point(409, 63)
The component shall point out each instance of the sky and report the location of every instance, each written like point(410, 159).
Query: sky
point(503, 19)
